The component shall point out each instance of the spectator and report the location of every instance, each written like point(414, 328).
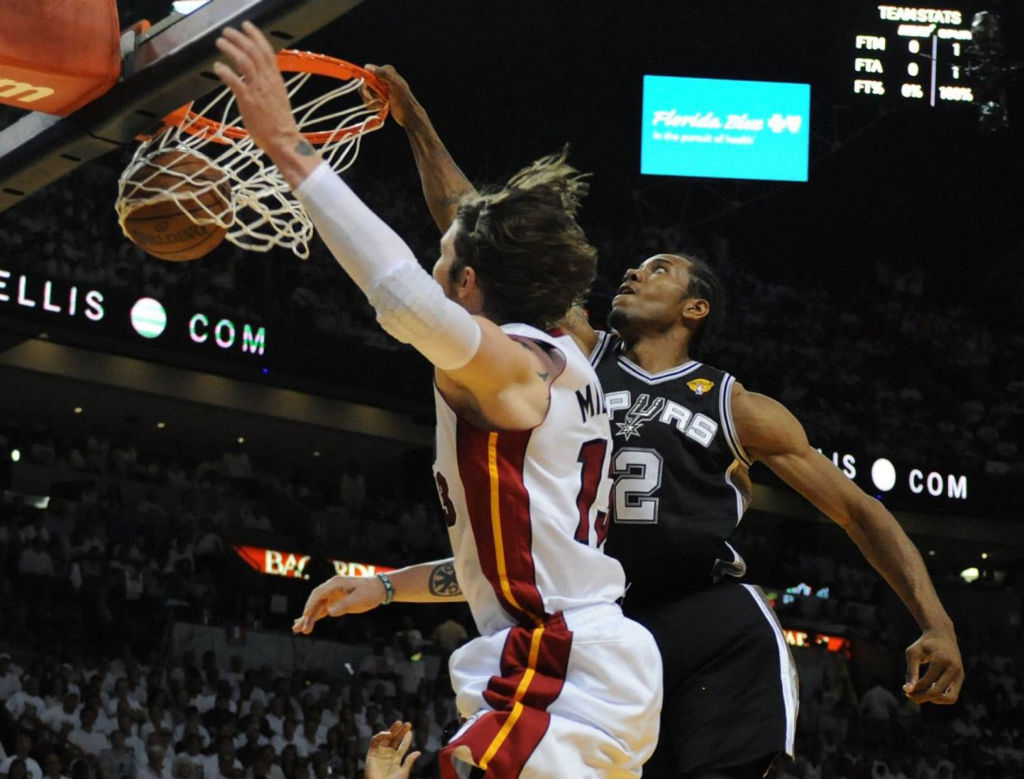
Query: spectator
point(224, 763)
point(379, 668)
point(265, 767)
point(409, 634)
point(183, 769)
point(878, 707)
point(190, 750)
point(18, 770)
point(353, 489)
point(449, 636)
point(155, 767)
point(22, 755)
point(287, 736)
point(252, 743)
point(63, 716)
point(54, 766)
point(26, 703)
point(10, 681)
point(118, 760)
point(235, 463)
point(129, 740)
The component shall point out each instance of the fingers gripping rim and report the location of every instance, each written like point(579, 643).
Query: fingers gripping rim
point(264, 214)
point(290, 61)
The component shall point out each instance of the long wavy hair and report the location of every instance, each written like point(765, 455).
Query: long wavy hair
point(531, 257)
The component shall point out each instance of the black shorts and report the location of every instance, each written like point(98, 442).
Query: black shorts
point(730, 682)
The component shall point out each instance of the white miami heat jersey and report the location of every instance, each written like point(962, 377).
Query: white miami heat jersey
point(527, 510)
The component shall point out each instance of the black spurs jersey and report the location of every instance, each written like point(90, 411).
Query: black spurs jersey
point(681, 476)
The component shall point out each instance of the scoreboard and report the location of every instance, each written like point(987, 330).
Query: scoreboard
point(910, 54)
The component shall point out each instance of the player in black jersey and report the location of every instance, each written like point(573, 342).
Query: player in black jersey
point(685, 434)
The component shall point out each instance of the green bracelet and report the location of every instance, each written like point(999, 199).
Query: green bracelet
point(389, 588)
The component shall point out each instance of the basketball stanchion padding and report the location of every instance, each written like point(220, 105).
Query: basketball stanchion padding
point(204, 164)
point(58, 55)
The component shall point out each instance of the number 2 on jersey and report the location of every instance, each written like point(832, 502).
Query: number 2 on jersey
point(637, 477)
point(592, 458)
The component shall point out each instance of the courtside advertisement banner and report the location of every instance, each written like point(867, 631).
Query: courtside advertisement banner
point(275, 562)
point(714, 128)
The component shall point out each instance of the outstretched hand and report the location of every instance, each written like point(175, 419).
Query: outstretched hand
point(944, 676)
point(337, 596)
point(400, 97)
point(259, 89)
point(384, 758)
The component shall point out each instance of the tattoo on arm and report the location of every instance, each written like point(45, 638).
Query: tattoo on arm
point(443, 582)
point(305, 148)
point(543, 374)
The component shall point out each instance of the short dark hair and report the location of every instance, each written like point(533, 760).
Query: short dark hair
point(704, 283)
point(530, 255)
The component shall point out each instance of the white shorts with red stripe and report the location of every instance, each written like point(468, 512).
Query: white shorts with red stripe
point(579, 696)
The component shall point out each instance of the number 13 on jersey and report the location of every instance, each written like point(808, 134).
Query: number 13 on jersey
point(591, 460)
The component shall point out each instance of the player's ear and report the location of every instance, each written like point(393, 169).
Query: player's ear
point(695, 309)
point(466, 283)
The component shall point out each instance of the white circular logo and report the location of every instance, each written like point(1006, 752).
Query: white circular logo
point(149, 317)
point(883, 474)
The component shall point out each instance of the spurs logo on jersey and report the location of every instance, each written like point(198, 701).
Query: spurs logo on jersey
point(641, 411)
point(697, 426)
point(681, 480)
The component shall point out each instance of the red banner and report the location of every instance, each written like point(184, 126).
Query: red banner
point(293, 566)
point(831, 643)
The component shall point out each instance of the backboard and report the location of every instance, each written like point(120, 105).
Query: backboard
point(165, 67)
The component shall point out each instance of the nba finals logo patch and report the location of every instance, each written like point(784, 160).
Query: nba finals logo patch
point(700, 386)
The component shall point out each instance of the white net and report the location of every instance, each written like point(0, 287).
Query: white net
point(260, 212)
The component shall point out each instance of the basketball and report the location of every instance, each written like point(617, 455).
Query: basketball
point(185, 183)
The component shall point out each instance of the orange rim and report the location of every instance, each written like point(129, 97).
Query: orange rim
point(290, 61)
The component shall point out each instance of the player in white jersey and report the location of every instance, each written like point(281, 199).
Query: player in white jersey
point(526, 514)
point(510, 482)
point(559, 683)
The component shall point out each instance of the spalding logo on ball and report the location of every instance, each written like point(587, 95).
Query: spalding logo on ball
point(180, 205)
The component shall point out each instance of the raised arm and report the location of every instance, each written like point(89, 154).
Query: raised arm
point(432, 582)
point(481, 366)
point(771, 434)
point(444, 183)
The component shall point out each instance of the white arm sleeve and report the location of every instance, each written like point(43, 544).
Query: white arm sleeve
point(410, 305)
point(359, 239)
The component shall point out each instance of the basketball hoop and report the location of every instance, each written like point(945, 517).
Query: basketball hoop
point(263, 213)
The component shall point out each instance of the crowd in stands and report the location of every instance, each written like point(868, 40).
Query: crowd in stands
point(131, 541)
point(109, 717)
point(123, 529)
point(103, 546)
point(70, 713)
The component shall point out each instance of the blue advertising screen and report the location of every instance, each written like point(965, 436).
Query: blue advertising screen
point(716, 128)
